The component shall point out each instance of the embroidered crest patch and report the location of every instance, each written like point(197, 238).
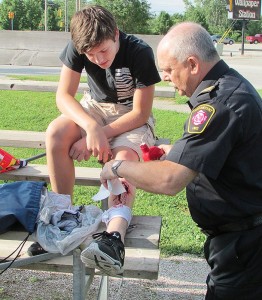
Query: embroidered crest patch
point(200, 117)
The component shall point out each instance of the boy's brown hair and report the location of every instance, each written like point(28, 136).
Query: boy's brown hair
point(91, 26)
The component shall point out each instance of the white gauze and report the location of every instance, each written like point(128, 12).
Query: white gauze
point(117, 211)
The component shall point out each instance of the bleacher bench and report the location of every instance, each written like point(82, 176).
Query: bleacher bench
point(141, 241)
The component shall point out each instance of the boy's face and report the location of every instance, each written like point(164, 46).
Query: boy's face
point(104, 54)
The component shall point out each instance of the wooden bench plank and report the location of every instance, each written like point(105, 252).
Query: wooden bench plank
point(22, 139)
point(142, 253)
point(144, 233)
point(139, 263)
point(34, 139)
point(34, 172)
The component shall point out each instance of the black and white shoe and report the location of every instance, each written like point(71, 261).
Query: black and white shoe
point(35, 249)
point(106, 253)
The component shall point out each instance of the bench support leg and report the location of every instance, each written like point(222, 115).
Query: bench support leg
point(81, 281)
point(103, 288)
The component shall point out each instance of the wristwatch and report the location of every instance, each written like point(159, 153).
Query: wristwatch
point(115, 166)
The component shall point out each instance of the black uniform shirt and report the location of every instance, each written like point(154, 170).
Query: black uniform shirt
point(222, 141)
point(133, 67)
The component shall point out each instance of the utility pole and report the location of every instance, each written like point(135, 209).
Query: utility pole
point(66, 17)
point(243, 37)
point(78, 5)
point(45, 15)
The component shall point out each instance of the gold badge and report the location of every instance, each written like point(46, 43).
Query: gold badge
point(200, 117)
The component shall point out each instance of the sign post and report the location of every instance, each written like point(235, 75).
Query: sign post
point(244, 10)
point(11, 16)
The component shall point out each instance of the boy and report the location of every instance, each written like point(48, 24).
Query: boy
point(111, 121)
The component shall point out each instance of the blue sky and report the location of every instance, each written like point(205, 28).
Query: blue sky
point(170, 6)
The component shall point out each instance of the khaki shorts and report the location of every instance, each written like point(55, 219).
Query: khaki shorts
point(106, 113)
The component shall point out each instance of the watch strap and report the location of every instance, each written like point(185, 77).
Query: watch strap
point(115, 166)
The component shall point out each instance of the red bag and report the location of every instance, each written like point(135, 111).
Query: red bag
point(8, 162)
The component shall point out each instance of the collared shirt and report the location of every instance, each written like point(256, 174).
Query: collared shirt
point(222, 141)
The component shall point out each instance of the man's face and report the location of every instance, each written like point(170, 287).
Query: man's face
point(104, 54)
point(176, 72)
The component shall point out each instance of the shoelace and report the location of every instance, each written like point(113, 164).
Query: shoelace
point(100, 235)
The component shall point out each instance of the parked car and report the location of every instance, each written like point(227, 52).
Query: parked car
point(216, 37)
point(254, 39)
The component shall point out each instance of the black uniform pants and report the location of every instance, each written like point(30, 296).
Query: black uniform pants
point(235, 259)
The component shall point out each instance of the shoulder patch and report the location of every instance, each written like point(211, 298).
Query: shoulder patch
point(200, 117)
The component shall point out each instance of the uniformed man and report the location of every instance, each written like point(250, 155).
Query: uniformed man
point(218, 159)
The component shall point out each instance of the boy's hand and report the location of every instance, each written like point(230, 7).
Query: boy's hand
point(79, 150)
point(97, 143)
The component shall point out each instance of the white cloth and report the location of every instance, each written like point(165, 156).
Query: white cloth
point(115, 187)
point(57, 238)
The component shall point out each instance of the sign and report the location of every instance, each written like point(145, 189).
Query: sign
point(11, 15)
point(246, 9)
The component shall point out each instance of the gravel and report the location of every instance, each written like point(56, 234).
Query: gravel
point(180, 278)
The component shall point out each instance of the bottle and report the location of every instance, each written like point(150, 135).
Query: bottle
point(151, 153)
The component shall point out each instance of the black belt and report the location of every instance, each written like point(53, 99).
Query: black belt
point(245, 224)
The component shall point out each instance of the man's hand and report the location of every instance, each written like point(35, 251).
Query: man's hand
point(107, 173)
point(166, 149)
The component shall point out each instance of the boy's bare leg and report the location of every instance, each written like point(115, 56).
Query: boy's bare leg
point(107, 251)
point(120, 224)
point(60, 136)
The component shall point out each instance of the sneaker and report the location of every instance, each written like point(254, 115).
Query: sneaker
point(35, 249)
point(106, 253)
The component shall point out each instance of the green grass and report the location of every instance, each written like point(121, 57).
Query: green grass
point(34, 111)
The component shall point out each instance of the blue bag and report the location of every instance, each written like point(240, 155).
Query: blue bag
point(19, 204)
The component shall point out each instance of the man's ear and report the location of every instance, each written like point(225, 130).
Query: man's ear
point(193, 64)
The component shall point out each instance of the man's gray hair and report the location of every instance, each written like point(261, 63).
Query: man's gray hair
point(194, 42)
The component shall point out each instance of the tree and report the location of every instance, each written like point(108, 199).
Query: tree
point(211, 14)
point(162, 23)
point(132, 16)
point(30, 14)
point(177, 18)
point(254, 27)
point(33, 14)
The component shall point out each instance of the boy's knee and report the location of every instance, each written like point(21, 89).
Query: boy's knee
point(62, 131)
